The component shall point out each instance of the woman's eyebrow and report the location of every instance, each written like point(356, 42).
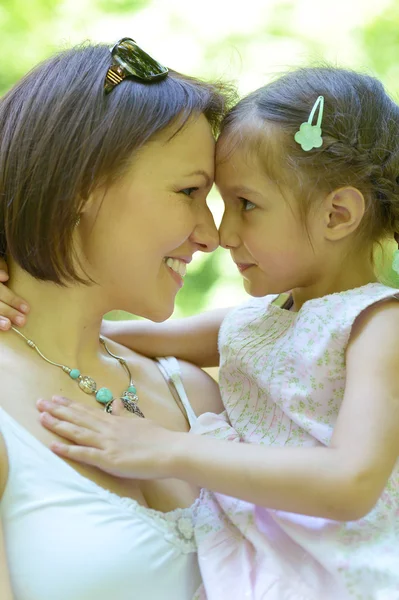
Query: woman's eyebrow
point(207, 177)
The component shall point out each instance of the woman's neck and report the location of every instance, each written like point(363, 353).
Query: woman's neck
point(64, 322)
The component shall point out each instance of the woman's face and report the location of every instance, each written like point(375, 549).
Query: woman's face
point(143, 230)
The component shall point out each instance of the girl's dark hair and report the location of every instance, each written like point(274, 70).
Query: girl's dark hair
point(360, 131)
point(61, 136)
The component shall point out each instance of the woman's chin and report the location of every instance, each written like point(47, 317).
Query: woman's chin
point(159, 313)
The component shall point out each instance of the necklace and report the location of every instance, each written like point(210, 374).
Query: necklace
point(87, 384)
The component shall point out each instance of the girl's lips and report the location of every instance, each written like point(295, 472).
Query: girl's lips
point(244, 266)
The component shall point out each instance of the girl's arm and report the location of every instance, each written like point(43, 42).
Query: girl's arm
point(193, 339)
point(342, 481)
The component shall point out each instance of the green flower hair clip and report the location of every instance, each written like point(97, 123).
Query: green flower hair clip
point(309, 136)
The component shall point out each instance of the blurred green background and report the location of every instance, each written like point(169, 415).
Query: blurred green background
point(244, 42)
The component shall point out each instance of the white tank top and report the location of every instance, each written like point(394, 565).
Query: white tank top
point(67, 538)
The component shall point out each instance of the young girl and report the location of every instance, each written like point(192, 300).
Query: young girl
point(308, 168)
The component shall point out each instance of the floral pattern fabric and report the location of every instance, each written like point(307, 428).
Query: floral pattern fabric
point(282, 378)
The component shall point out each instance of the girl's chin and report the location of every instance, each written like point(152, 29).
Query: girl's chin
point(256, 289)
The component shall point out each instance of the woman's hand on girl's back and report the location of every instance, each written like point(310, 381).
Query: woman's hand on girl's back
point(13, 310)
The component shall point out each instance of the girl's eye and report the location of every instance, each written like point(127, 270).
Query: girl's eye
point(247, 204)
point(189, 191)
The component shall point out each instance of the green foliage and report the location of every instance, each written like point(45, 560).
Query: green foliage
point(380, 40)
point(120, 6)
point(198, 284)
point(383, 264)
point(25, 36)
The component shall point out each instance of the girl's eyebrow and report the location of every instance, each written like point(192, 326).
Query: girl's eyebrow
point(239, 189)
point(207, 177)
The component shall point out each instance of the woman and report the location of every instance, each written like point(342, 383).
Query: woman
point(103, 203)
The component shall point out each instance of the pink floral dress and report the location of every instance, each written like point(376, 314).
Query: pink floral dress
point(282, 379)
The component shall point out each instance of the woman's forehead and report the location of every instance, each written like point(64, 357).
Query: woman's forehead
point(190, 153)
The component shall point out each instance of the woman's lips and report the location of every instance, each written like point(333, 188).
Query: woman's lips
point(178, 278)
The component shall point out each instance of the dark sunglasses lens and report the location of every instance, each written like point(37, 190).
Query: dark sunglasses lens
point(137, 62)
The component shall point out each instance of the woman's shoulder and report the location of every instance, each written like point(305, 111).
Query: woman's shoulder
point(201, 389)
point(133, 359)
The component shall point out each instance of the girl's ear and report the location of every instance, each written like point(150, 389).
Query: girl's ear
point(344, 210)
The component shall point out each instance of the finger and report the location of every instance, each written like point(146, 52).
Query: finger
point(83, 454)
point(118, 410)
point(3, 267)
point(61, 400)
point(11, 315)
point(5, 324)
point(70, 431)
point(75, 414)
point(8, 297)
point(3, 275)
point(12, 307)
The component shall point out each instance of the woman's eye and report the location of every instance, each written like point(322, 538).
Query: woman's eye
point(189, 191)
point(247, 204)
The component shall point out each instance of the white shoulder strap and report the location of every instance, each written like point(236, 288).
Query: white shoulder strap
point(170, 369)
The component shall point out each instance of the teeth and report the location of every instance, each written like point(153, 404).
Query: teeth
point(177, 265)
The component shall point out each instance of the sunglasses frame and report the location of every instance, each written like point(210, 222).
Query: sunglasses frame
point(122, 69)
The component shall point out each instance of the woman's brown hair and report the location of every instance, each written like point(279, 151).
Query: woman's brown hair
point(61, 136)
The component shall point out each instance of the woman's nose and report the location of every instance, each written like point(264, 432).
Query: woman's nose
point(228, 234)
point(206, 235)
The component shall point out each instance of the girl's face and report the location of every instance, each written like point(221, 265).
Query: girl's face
point(263, 228)
point(157, 211)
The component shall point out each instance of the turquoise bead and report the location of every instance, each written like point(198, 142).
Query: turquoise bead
point(104, 395)
point(132, 388)
point(75, 373)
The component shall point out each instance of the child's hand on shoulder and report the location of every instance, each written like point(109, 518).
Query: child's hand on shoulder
point(13, 310)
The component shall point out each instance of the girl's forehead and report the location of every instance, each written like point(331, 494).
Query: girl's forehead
point(255, 149)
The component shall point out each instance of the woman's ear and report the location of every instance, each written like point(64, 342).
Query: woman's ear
point(344, 210)
point(91, 206)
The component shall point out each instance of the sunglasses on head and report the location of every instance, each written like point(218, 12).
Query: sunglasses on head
point(129, 60)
